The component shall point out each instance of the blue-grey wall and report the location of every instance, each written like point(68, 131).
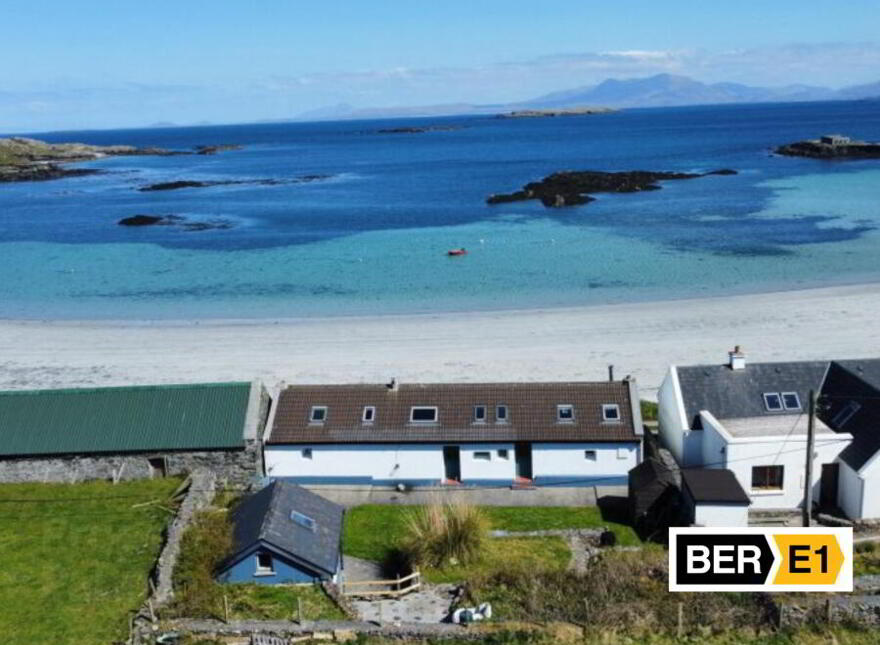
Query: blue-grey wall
point(245, 568)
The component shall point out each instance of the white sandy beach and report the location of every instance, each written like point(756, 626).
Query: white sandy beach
point(560, 344)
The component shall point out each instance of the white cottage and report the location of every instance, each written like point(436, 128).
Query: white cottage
point(516, 434)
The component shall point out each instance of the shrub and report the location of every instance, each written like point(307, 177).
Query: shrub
point(440, 534)
point(204, 545)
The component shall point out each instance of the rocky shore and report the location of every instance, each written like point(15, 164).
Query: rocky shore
point(831, 147)
point(136, 221)
point(572, 188)
point(189, 183)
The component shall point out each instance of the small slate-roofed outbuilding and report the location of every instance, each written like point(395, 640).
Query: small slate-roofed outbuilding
point(284, 534)
point(714, 497)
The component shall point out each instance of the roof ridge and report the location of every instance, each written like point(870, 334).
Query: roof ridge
point(123, 388)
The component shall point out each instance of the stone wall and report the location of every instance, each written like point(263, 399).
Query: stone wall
point(233, 468)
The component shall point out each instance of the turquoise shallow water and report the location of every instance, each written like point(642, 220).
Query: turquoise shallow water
point(372, 238)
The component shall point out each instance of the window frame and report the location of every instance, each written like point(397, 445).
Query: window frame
point(505, 418)
point(797, 399)
point(591, 455)
point(372, 410)
point(564, 406)
point(845, 413)
point(482, 455)
point(485, 409)
point(607, 407)
point(767, 397)
point(316, 408)
point(261, 570)
point(768, 472)
point(413, 409)
point(305, 453)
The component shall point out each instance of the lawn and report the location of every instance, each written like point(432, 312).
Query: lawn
point(534, 554)
point(371, 530)
point(76, 558)
point(279, 602)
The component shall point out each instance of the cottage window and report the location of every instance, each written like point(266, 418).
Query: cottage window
point(306, 453)
point(303, 520)
point(590, 455)
point(791, 401)
point(565, 413)
point(369, 414)
point(423, 414)
point(483, 455)
point(767, 477)
point(611, 412)
point(503, 453)
point(845, 413)
point(479, 414)
point(500, 414)
point(622, 453)
point(318, 414)
point(265, 567)
point(772, 401)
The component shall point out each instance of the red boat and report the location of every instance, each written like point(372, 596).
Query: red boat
point(454, 252)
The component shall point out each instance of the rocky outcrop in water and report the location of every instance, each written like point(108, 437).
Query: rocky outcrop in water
point(575, 111)
point(572, 188)
point(188, 183)
point(175, 220)
point(212, 150)
point(831, 147)
point(419, 129)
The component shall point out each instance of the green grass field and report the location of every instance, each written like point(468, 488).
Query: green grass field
point(371, 530)
point(76, 558)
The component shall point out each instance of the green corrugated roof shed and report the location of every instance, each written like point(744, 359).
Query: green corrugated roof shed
point(123, 419)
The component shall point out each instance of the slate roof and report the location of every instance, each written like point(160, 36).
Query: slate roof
point(531, 413)
point(123, 419)
point(854, 381)
point(731, 394)
point(713, 485)
point(266, 516)
point(651, 471)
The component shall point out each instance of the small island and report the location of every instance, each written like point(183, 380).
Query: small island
point(420, 129)
point(831, 146)
point(572, 188)
point(137, 221)
point(576, 111)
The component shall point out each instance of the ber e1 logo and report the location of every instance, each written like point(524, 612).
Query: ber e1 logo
point(760, 559)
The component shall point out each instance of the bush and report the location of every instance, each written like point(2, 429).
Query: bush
point(204, 545)
point(439, 534)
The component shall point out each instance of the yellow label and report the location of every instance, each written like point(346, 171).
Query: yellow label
point(808, 559)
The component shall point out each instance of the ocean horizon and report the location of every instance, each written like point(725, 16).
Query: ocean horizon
point(339, 218)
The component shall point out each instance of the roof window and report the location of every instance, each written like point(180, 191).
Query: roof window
point(318, 414)
point(303, 520)
point(772, 401)
point(565, 413)
point(845, 414)
point(791, 401)
point(423, 414)
point(369, 414)
point(500, 414)
point(479, 414)
point(611, 412)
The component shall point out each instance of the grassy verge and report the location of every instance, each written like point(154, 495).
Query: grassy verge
point(76, 558)
point(536, 554)
point(371, 530)
point(279, 602)
point(867, 559)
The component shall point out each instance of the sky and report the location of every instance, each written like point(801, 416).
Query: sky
point(105, 63)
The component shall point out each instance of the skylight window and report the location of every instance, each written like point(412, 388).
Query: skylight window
point(423, 414)
point(611, 412)
point(479, 414)
point(772, 401)
point(845, 414)
point(318, 414)
point(303, 520)
point(369, 414)
point(791, 401)
point(501, 414)
point(565, 413)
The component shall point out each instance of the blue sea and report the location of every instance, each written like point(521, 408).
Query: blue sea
point(370, 235)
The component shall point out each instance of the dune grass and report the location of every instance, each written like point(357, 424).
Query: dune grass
point(76, 558)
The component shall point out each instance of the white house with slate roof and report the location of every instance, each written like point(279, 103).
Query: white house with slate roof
point(456, 434)
point(752, 419)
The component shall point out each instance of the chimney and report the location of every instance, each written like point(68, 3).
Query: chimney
point(392, 385)
point(611, 372)
point(737, 359)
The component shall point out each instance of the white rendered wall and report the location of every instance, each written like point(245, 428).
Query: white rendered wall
point(348, 461)
point(724, 515)
point(684, 444)
point(714, 448)
point(849, 494)
point(789, 452)
point(496, 468)
point(567, 459)
point(869, 477)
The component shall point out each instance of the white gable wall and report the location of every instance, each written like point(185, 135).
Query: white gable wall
point(684, 444)
point(850, 493)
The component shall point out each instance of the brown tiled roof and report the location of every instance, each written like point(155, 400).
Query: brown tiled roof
point(531, 411)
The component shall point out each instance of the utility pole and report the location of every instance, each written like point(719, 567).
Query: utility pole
point(808, 471)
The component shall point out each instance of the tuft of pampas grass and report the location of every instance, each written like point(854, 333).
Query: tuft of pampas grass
point(439, 534)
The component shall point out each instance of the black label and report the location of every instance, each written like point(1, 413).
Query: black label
point(722, 559)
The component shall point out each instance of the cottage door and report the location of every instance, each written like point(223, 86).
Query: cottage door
point(828, 486)
point(452, 463)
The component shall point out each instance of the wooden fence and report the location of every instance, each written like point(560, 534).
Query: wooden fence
point(393, 588)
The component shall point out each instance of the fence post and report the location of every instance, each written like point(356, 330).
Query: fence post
point(680, 619)
point(225, 608)
point(299, 610)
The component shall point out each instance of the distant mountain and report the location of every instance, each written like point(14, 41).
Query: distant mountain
point(661, 90)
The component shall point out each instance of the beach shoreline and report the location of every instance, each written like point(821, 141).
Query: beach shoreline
point(576, 343)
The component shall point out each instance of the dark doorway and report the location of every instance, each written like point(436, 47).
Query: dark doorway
point(523, 461)
point(158, 467)
point(828, 487)
point(452, 463)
